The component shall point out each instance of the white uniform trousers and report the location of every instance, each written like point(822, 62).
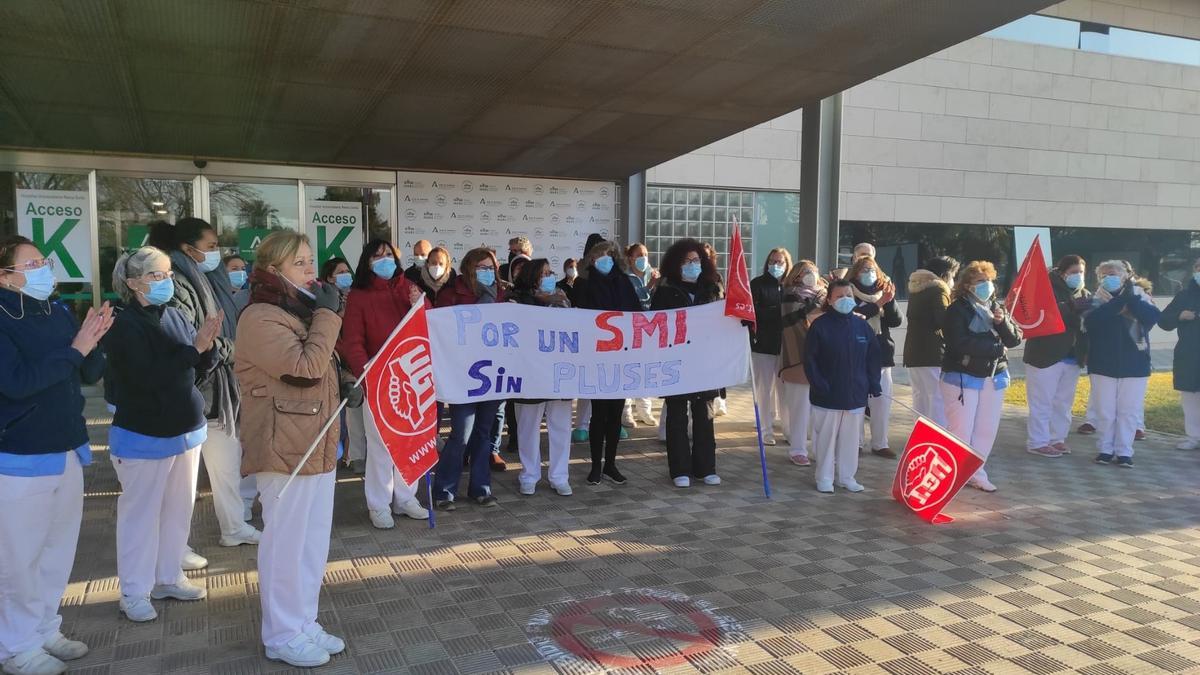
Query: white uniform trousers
point(293, 553)
point(766, 386)
point(1050, 393)
point(881, 412)
point(222, 455)
point(558, 435)
point(1190, 400)
point(154, 517)
point(639, 405)
point(39, 528)
point(836, 435)
point(382, 484)
point(583, 413)
point(973, 416)
point(927, 393)
point(799, 413)
point(356, 435)
point(1119, 402)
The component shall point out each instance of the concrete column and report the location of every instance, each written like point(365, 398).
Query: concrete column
point(820, 168)
point(633, 208)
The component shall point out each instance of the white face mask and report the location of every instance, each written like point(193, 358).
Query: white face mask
point(436, 271)
point(572, 272)
point(809, 280)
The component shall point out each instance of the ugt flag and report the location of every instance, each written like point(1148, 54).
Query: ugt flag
point(400, 397)
point(1031, 299)
point(932, 470)
point(738, 301)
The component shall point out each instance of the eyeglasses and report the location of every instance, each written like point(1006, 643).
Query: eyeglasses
point(30, 265)
point(158, 276)
point(485, 267)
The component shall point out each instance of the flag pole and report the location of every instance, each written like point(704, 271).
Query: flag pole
point(762, 451)
point(429, 489)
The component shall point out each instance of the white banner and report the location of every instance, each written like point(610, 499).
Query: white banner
point(506, 350)
point(59, 224)
point(460, 212)
point(335, 229)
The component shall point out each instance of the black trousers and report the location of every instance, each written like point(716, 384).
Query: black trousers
point(696, 458)
point(604, 431)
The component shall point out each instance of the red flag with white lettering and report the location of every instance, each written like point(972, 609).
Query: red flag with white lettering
point(738, 301)
point(400, 398)
point(932, 470)
point(1031, 300)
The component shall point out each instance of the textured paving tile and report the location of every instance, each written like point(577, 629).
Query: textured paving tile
point(1070, 567)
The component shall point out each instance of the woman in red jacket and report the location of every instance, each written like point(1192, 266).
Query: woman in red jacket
point(378, 300)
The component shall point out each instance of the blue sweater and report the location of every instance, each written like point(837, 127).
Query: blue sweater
point(1112, 351)
point(842, 361)
point(41, 406)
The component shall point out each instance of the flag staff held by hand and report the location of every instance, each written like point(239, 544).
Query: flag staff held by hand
point(739, 303)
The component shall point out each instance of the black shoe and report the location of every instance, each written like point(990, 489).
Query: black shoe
point(1104, 458)
point(614, 475)
point(487, 501)
point(1125, 462)
point(595, 476)
point(444, 505)
point(886, 453)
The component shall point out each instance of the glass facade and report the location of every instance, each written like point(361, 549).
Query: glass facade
point(245, 213)
point(127, 206)
point(1094, 37)
point(705, 214)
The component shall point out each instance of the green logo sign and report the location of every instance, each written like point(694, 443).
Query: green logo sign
point(248, 239)
point(136, 236)
point(327, 248)
point(54, 244)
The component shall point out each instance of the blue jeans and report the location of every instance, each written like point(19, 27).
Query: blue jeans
point(470, 432)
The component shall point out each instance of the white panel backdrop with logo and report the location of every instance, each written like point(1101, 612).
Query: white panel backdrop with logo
point(460, 212)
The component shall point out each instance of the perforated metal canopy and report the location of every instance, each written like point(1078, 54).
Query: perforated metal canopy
point(584, 88)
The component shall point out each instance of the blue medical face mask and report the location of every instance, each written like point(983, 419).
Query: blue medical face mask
point(641, 263)
point(776, 270)
point(548, 284)
point(343, 280)
point(868, 278)
point(1074, 281)
point(39, 283)
point(212, 259)
point(384, 268)
point(691, 271)
point(237, 278)
point(983, 290)
point(485, 277)
point(1112, 283)
point(1196, 278)
point(844, 304)
point(160, 292)
point(604, 264)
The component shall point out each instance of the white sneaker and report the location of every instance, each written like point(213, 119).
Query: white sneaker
point(682, 482)
point(247, 535)
point(34, 662)
point(826, 488)
point(412, 509)
point(563, 489)
point(647, 418)
point(982, 484)
point(528, 487)
point(382, 520)
point(1188, 444)
point(330, 643)
point(627, 419)
point(301, 652)
point(712, 479)
point(138, 609)
point(722, 408)
point(184, 590)
point(63, 649)
point(768, 440)
point(852, 486)
point(193, 561)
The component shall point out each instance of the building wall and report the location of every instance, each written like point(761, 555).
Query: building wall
point(764, 157)
point(1001, 132)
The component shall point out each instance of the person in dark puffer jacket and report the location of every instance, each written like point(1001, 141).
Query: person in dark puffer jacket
point(1181, 314)
point(842, 362)
point(978, 333)
point(1053, 362)
point(1118, 359)
point(928, 298)
point(766, 339)
point(44, 358)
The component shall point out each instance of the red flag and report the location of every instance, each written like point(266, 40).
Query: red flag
point(400, 397)
point(738, 301)
point(933, 468)
point(1031, 299)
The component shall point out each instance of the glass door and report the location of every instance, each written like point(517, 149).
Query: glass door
point(126, 207)
point(340, 219)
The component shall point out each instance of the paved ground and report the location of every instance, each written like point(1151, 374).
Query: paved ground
point(1071, 567)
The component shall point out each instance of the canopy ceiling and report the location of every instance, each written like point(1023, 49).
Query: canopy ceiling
point(582, 88)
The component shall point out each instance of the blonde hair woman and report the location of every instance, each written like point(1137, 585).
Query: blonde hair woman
point(978, 334)
point(285, 343)
point(875, 295)
point(803, 297)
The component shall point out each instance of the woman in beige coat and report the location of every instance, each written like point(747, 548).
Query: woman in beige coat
point(285, 342)
point(803, 297)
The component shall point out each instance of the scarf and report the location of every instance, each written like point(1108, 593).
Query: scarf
point(432, 284)
point(870, 299)
point(982, 321)
point(271, 289)
point(1140, 337)
point(486, 294)
point(183, 264)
